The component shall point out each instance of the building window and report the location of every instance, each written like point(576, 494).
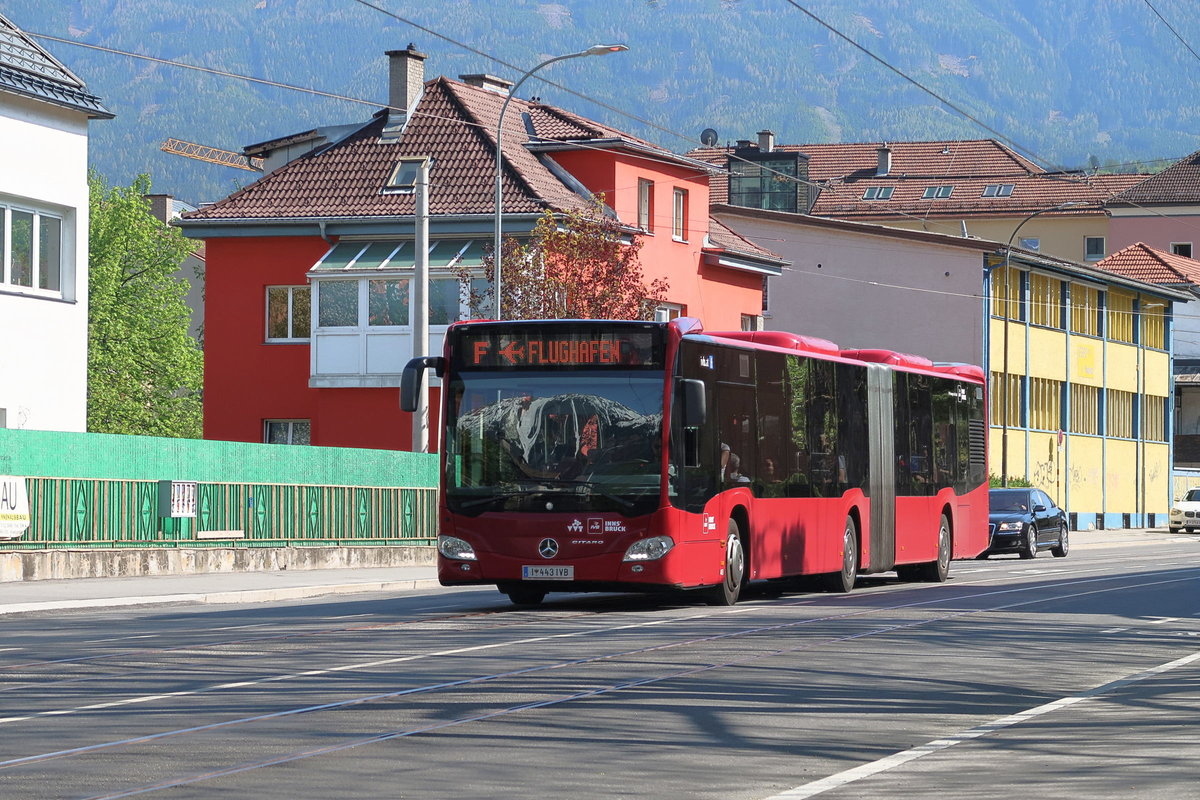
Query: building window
point(405, 174)
point(679, 215)
point(1085, 310)
point(1120, 316)
point(668, 311)
point(937, 192)
point(1118, 414)
point(878, 193)
point(1006, 293)
point(646, 205)
point(287, 431)
point(31, 249)
point(1030, 243)
point(1085, 409)
point(766, 303)
point(998, 190)
point(1153, 325)
point(1045, 301)
point(1093, 248)
point(288, 314)
point(1182, 249)
point(768, 183)
point(997, 392)
point(380, 302)
point(1045, 404)
point(1154, 416)
point(752, 322)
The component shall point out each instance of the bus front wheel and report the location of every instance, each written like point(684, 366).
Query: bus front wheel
point(726, 593)
point(524, 595)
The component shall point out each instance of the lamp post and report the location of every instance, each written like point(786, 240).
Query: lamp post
point(1007, 321)
point(594, 50)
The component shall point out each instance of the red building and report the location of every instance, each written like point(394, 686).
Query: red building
point(306, 300)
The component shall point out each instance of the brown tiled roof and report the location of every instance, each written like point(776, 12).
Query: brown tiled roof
point(1178, 183)
point(722, 236)
point(455, 123)
point(845, 171)
point(1029, 193)
point(1145, 263)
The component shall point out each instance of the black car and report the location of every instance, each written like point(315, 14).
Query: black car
point(1024, 521)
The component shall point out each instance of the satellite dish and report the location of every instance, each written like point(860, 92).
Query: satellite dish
point(708, 137)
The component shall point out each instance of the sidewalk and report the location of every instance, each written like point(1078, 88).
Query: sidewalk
point(226, 587)
point(269, 587)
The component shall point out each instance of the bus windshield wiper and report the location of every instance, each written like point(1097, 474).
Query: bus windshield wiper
point(559, 487)
point(594, 487)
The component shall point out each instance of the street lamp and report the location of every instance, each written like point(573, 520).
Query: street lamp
point(594, 50)
point(1007, 321)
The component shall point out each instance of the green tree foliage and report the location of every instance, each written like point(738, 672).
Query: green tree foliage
point(144, 370)
point(575, 266)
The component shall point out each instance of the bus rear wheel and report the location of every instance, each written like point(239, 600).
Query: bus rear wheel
point(936, 571)
point(843, 580)
point(727, 592)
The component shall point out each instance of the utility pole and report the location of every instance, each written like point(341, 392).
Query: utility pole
point(420, 308)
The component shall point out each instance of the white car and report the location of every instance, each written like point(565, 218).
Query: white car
point(1185, 512)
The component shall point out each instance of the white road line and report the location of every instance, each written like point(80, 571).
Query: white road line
point(10, 649)
point(121, 638)
point(1115, 630)
point(858, 773)
point(242, 627)
point(1161, 620)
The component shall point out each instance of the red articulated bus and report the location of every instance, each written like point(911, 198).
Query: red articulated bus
point(600, 455)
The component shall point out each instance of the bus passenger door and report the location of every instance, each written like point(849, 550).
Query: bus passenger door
point(882, 482)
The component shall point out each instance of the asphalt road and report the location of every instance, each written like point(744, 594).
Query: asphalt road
point(1068, 678)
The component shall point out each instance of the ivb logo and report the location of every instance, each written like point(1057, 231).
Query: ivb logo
point(575, 527)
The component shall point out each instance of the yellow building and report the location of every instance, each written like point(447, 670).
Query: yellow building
point(1079, 361)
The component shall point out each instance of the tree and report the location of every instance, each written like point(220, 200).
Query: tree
point(574, 266)
point(144, 370)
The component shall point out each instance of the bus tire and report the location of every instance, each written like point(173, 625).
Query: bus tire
point(525, 595)
point(727, 592)
point(936, 571)
point(843, 580)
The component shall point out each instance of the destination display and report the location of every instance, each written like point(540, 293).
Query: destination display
point(585, 348)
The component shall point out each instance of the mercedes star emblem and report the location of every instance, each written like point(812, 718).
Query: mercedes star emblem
point(548, 548)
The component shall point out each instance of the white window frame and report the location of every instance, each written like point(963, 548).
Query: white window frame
point(878, 192)
point(645, 200)
point(267, 315)
point(1188, 245)
point(1033, 243)
point(998, 190)
point(291, 429)
point(679, 207)
point(1103, 248)
point(668, 311)
point(66, 274)
point(937, 192)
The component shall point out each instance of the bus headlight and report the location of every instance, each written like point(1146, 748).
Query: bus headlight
point(454, 547)
point(650, 549)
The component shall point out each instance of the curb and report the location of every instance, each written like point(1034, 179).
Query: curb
point(238, 596)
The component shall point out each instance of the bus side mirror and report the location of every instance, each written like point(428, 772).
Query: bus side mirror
point(410, 379)
point(691, 395)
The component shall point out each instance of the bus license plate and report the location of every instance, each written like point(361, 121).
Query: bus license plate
point(541, 572)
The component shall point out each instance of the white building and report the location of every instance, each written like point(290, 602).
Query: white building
point(44, 115)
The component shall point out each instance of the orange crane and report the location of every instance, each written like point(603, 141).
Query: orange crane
point(213, 155)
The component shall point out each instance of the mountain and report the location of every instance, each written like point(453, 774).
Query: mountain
point(1064, 82)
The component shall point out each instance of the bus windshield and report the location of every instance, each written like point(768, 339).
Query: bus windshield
point(554, 441)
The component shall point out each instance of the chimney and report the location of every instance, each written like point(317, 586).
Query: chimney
point(489, 82)
point(766, 141)
point(885, 160)
point(744, 144)
point(406, 80)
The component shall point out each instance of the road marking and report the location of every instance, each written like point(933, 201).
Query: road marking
point(858, 773)
point(121, 638)
point(10, 649)
point(1161, 620)
point(1115, 630)
point(242, 627)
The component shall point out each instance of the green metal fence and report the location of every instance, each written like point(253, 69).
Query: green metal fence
point(109, 498)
